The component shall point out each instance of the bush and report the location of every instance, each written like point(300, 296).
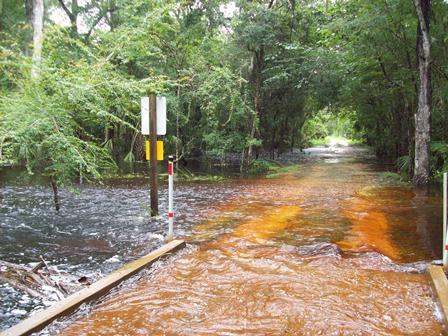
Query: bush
point(404, 165)
point(258, 167)
point(439, 158)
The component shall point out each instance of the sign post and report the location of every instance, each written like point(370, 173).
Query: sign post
point(153, 154)
point(153, 123)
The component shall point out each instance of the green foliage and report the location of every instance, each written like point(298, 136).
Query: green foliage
point(316, 128)
point(439, 158)
point(200, 177)
point(259, 167)
point(271, 169)
point(326, 126)
point(404, 164)
point(53, 125)
point(224, 112)
point(278, 171)
point(40, 132)
point(391, 178)
point(272, 76)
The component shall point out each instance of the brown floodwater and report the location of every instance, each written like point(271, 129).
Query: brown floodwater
point(325, 250)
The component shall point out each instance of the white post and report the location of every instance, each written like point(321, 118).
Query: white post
point(170, 198)
point(445, 243)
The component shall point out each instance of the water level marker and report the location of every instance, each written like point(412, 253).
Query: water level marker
point(170, 198)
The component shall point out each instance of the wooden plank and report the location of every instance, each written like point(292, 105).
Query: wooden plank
point(439, 284)
point(41, 319)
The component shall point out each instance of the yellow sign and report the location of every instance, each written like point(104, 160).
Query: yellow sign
point(159, 150)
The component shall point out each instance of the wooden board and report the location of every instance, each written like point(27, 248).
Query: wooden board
point(41, 319)
point(439, 284)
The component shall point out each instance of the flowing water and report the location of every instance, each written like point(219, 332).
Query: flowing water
point(330, 249)
point(98, 229)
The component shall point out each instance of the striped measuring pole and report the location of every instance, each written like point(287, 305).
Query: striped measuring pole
point(170, 198)
point(445, 243)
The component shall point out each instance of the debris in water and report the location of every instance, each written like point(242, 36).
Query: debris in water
point(85, 280)
point(113, 259)
point(156, 236)
point(18, 312)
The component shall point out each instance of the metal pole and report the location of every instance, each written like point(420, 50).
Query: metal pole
point(444, 244)
point(153, 154)
point(170, 198)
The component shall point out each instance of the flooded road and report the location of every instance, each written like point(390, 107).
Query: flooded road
point(329, 249)
point(98, 229)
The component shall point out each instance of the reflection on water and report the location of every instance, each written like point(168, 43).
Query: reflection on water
point(327, 250)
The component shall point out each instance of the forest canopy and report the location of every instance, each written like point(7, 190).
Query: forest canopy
point(240, 77)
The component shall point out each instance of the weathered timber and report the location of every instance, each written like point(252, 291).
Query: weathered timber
point(439, 284)
point(33, 280)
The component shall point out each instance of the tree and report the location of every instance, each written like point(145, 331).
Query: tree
point(242, 83)
point(423, 115)
point(36, 19)
point(91, 12)
point(72, 15)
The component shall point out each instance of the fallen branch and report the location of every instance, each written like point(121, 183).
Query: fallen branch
point(39, 281)
point(41, 264)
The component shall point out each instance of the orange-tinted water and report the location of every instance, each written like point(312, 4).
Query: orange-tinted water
point(318, 252)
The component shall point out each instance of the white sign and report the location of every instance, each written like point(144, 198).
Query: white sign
point(161, 115)
point(144, 107)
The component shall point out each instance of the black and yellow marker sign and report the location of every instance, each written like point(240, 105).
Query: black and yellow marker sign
point(159, 150)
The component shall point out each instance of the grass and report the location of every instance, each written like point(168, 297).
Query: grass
point(200, 178)
point(271, 169)
point(282, 170)
point(184, 174)
point(6, 163)
point(393, 178)
point(181, 174)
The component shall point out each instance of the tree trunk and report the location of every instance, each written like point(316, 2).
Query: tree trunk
point(251, 136)
point(114, 19)
point(140, 149)
point(74, 19)
point(72, 15)
point(423, 115)
point(54, 185)
point(37, 24)
point(177, 128)
point(243, 152)
point(1, 13)
point(257, 82)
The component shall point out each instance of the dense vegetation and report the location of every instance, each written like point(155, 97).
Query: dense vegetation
point(240, 77)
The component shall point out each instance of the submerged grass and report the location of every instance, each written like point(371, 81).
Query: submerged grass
point(200, 178)
point(258, 168)
point(271, 169)
point(392, 178)
point(182, 174)
point(282, 170)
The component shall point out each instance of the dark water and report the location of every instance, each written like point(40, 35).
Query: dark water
point(97, 229)
point(268, 249)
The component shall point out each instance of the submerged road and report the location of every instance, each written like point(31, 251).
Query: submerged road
point(328, 249)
